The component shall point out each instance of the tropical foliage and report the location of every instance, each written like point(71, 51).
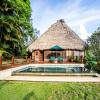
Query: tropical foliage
point(15, 25)
point(94, 43)
point(90, 61)
point(93, 54)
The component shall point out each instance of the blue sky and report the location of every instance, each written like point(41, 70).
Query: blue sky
point(83, 16)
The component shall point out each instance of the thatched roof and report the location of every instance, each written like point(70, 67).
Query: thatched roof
point(58, 34)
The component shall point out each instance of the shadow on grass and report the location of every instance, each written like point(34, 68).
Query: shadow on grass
point(2, 84)
point(30, 95)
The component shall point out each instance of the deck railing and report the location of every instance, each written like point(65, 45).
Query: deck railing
point(13, 61)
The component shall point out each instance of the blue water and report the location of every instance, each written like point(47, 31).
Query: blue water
point(49, 69)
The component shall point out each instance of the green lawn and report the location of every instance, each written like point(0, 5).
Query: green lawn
point(49, 91)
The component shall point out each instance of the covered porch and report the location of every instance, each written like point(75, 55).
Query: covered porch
point(56, 54)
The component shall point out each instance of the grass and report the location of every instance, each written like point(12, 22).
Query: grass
point(48, 91)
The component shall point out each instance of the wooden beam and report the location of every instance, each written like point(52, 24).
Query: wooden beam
point(84, 57)
point(38, 56)
point(26, 60)
point(30, 60)
point(42, 55)
point(12, 60)
point(68, 55)
point(0, 60)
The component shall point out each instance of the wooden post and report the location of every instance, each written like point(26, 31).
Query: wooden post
point(79, 57)
point(44, 56)
point(38, 56)
point(12, 60)
point(64, 54)
point(26, 60)
point(68, 55)
point(30, 60)
point(0, 60)
point(73, 55)
point(84, 57)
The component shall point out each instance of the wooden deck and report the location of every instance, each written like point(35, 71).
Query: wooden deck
point(56, 63)
point(6, 66)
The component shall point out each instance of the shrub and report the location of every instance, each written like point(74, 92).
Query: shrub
point(90, 61)
point(76, 59)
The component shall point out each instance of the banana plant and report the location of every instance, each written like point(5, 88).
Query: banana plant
point(2, 52)
point(90, 61)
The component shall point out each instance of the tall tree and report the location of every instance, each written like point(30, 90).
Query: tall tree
point(15, 25)
point(94, 43)
point(94, 47)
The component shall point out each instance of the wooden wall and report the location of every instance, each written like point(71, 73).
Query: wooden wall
point(41, 55)
point(37, 56)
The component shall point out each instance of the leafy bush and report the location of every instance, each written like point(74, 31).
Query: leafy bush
point(97, 68)
point(70, 58)
point(76, 59)
point(90, 61)
point(94, 46)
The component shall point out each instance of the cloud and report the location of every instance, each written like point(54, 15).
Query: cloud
point(83, 31)
point(75, 15)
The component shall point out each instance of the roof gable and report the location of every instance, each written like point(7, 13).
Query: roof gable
point(58, 34)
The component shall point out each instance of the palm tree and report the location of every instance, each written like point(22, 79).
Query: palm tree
point(15, 26)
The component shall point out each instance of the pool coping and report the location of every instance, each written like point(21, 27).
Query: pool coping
point(7, 72)
point(53, 79)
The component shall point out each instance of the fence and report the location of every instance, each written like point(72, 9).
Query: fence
point(12, 61)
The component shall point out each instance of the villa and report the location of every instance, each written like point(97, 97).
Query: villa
point(58, 53)
point(59, 44)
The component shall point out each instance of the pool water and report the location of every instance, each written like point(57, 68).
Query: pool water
point(51, 70)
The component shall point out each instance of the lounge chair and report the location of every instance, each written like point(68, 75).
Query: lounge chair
point(60, 59)
point(52, 59)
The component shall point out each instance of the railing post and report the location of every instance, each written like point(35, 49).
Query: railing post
point(81, 58)
point(0, 60)
point(30, 60)
point(12, 60)
point(26, 60)
point(44, 56)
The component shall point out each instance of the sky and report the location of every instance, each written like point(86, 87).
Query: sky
point(82, 16)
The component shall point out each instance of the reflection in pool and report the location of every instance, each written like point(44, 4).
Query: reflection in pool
point(53, 69)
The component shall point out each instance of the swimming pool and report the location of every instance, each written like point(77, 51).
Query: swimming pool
point(51, 69)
